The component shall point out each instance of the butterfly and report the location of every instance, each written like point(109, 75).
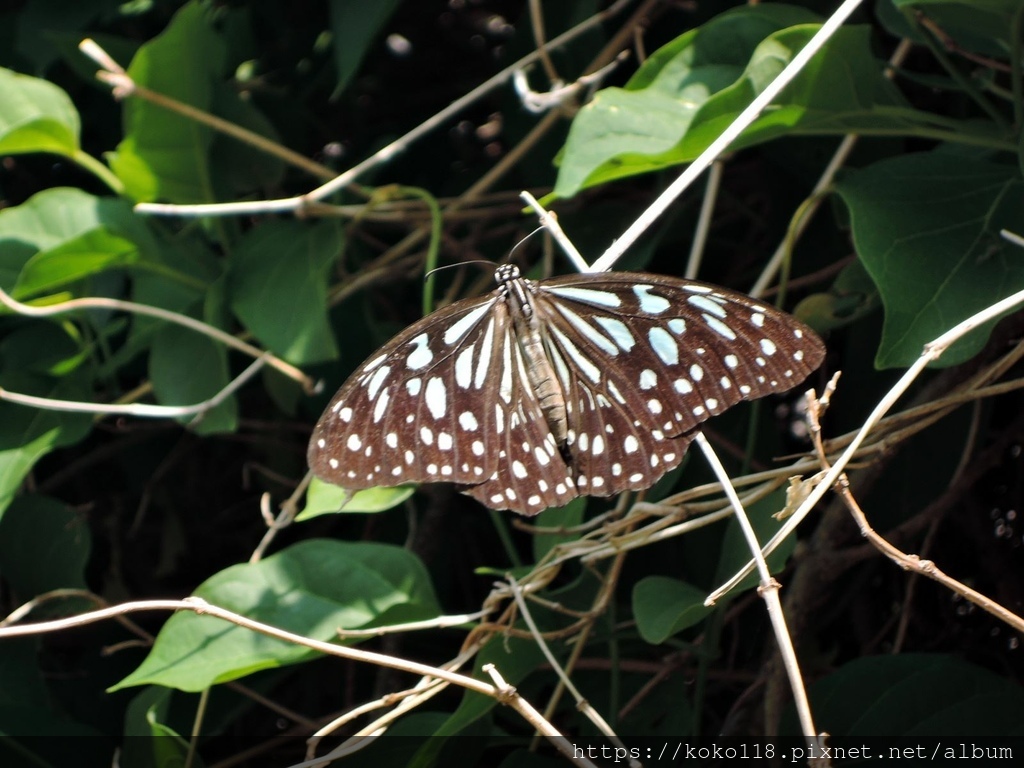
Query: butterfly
point(542, 391)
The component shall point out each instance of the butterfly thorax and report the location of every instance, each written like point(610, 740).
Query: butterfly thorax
point(519, 295)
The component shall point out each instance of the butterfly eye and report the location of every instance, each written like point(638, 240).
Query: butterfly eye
point(544, 391)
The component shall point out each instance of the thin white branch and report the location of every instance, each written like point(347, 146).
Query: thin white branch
point(394, 148)
point(550, 223)
point(141, 410)
point(720, 144)
point(818, 193)
point(63, 307)
point(932, 351)
point(581, 703)
point(707, 211)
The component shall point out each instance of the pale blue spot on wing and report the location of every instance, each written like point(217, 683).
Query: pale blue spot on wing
point(580, 360)
point(586, 295)
point(705, 303)
point(585, 328)
point(618, 330)
point(719, 327)
point(664, 345)
point(650, 303)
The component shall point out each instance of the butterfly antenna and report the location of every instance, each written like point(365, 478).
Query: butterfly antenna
point(459, 264)
point(538, 229)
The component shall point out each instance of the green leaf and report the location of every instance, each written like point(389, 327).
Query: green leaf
point(278, 287)
point(36, 116)
point(978, 26)
point(90, 254)
point(43, 348)
point(62, 235)
point(149, 742)
point(916, 696)
point(926, 227)
point(312, 588)
point(187, 368)
point(663, 606)
point(28, 434)
point(238, 166)
point(165, 155)
point(43, 546)
point(41, 21)
point(323, 498)
point(850, 297)
point(690, 90)
point(34, 732)
point(197, 270)
point(354, 28)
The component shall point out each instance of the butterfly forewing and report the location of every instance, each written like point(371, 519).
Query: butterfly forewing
point(640, 361)
point(420, 409)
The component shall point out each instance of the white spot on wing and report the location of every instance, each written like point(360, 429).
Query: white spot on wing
point(436, 397)
point(464, 367)
point(380, 407)
point(421, 356)
point(718, 326)
point(374, 363)
point(468, 421)
point(650, 303)
point(586, 295)
point(589, 331)
point(664, 345)
point(375, 381)
point(464, 324)
point(703, 302)
point(618, 330)
point(486, 347)
point(582, 362)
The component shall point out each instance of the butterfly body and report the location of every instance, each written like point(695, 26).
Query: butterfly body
point(542, 391)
